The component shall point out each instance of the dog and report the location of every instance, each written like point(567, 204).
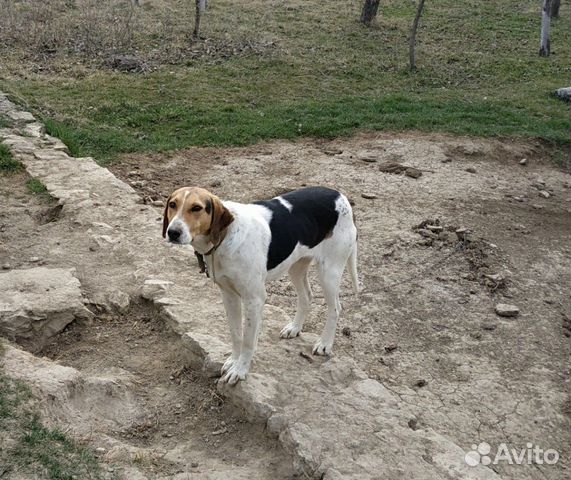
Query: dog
point(246, 245)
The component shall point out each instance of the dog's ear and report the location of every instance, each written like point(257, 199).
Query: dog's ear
point(166, 218)
point(221, 219)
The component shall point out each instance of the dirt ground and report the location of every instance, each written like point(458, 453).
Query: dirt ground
point(425, 324)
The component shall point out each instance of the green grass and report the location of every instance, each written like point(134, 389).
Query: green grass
point(36, 187)
point(478, 74)
point(7, 162)
point(37, 451)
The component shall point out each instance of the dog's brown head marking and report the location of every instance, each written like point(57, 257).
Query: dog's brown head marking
point(201, 211)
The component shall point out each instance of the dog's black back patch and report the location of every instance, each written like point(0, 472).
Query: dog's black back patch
point(311, 219)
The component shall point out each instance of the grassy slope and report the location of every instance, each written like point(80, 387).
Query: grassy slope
point(28, 447)
point(479, 73)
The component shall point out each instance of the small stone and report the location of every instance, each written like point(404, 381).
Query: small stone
point(505, 310)
point(6, 266)
point(391, 347)
point(100, 450)
point(413, 424)
point(219, 432)
point(194, 465)
point(489, 326)
point(564, 94)
point(413, 172)
point(368, 196)
point(346, 331)
point(332, 151)
point(215, 183)
point(462, 234)
point(34, 259)
point(157, 203)
point(544, 193)
point(519, 199)
point(435, 228)
point(523, 161)
point(471, 170)
point(368, 159)
point(421, 383)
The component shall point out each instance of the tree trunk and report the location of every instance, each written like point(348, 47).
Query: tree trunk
point(412, 47)
point(555, 4)
point(369, 12)
point(545, 46)
point(200, 7)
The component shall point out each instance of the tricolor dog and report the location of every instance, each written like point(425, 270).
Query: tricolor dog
point(246, 245)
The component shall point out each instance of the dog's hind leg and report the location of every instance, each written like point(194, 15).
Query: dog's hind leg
point(298, 275)
point(330, 279)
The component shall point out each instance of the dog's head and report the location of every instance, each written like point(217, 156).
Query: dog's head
point(193, 213)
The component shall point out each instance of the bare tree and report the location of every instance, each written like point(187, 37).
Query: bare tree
point(369, 11)
point(200, 7)
point(412, 46)
point(545, 46)
point(555, 4)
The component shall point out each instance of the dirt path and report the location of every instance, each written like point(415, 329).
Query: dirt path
point(463, 370)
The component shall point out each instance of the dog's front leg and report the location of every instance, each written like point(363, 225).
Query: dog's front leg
point(253, 306)
point(233, 307)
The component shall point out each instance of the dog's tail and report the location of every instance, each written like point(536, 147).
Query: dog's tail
point(352, 263)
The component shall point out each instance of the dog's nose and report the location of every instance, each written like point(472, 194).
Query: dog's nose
point(173, 234)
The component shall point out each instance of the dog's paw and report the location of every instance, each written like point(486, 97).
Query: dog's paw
point(321, 348)
point(234, 374)
point(290, 331)
point(230, 361)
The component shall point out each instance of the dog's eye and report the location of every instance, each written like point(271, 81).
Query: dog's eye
point(172, 204)
point(196, 208)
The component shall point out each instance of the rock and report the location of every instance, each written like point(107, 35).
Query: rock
point(421, 383)
point(35, 129)
point(154, 288)
point(471, 170)
point(505, 310)
point(6, 266)
point(544, 193)
point(119, 301)
point(564, 94)
point(368, 196)
point(391, 347)
point(462, 234)
point(435, 228)
point(523, 161)
point(413, 172)
point(127, 63)
point(332, 151)
point(39, 302)
point(346, 331)
point(100, 450)
point(19, 116)
point(34, 259)
point(157, 203)
point(368, 159)
point(489, 326)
